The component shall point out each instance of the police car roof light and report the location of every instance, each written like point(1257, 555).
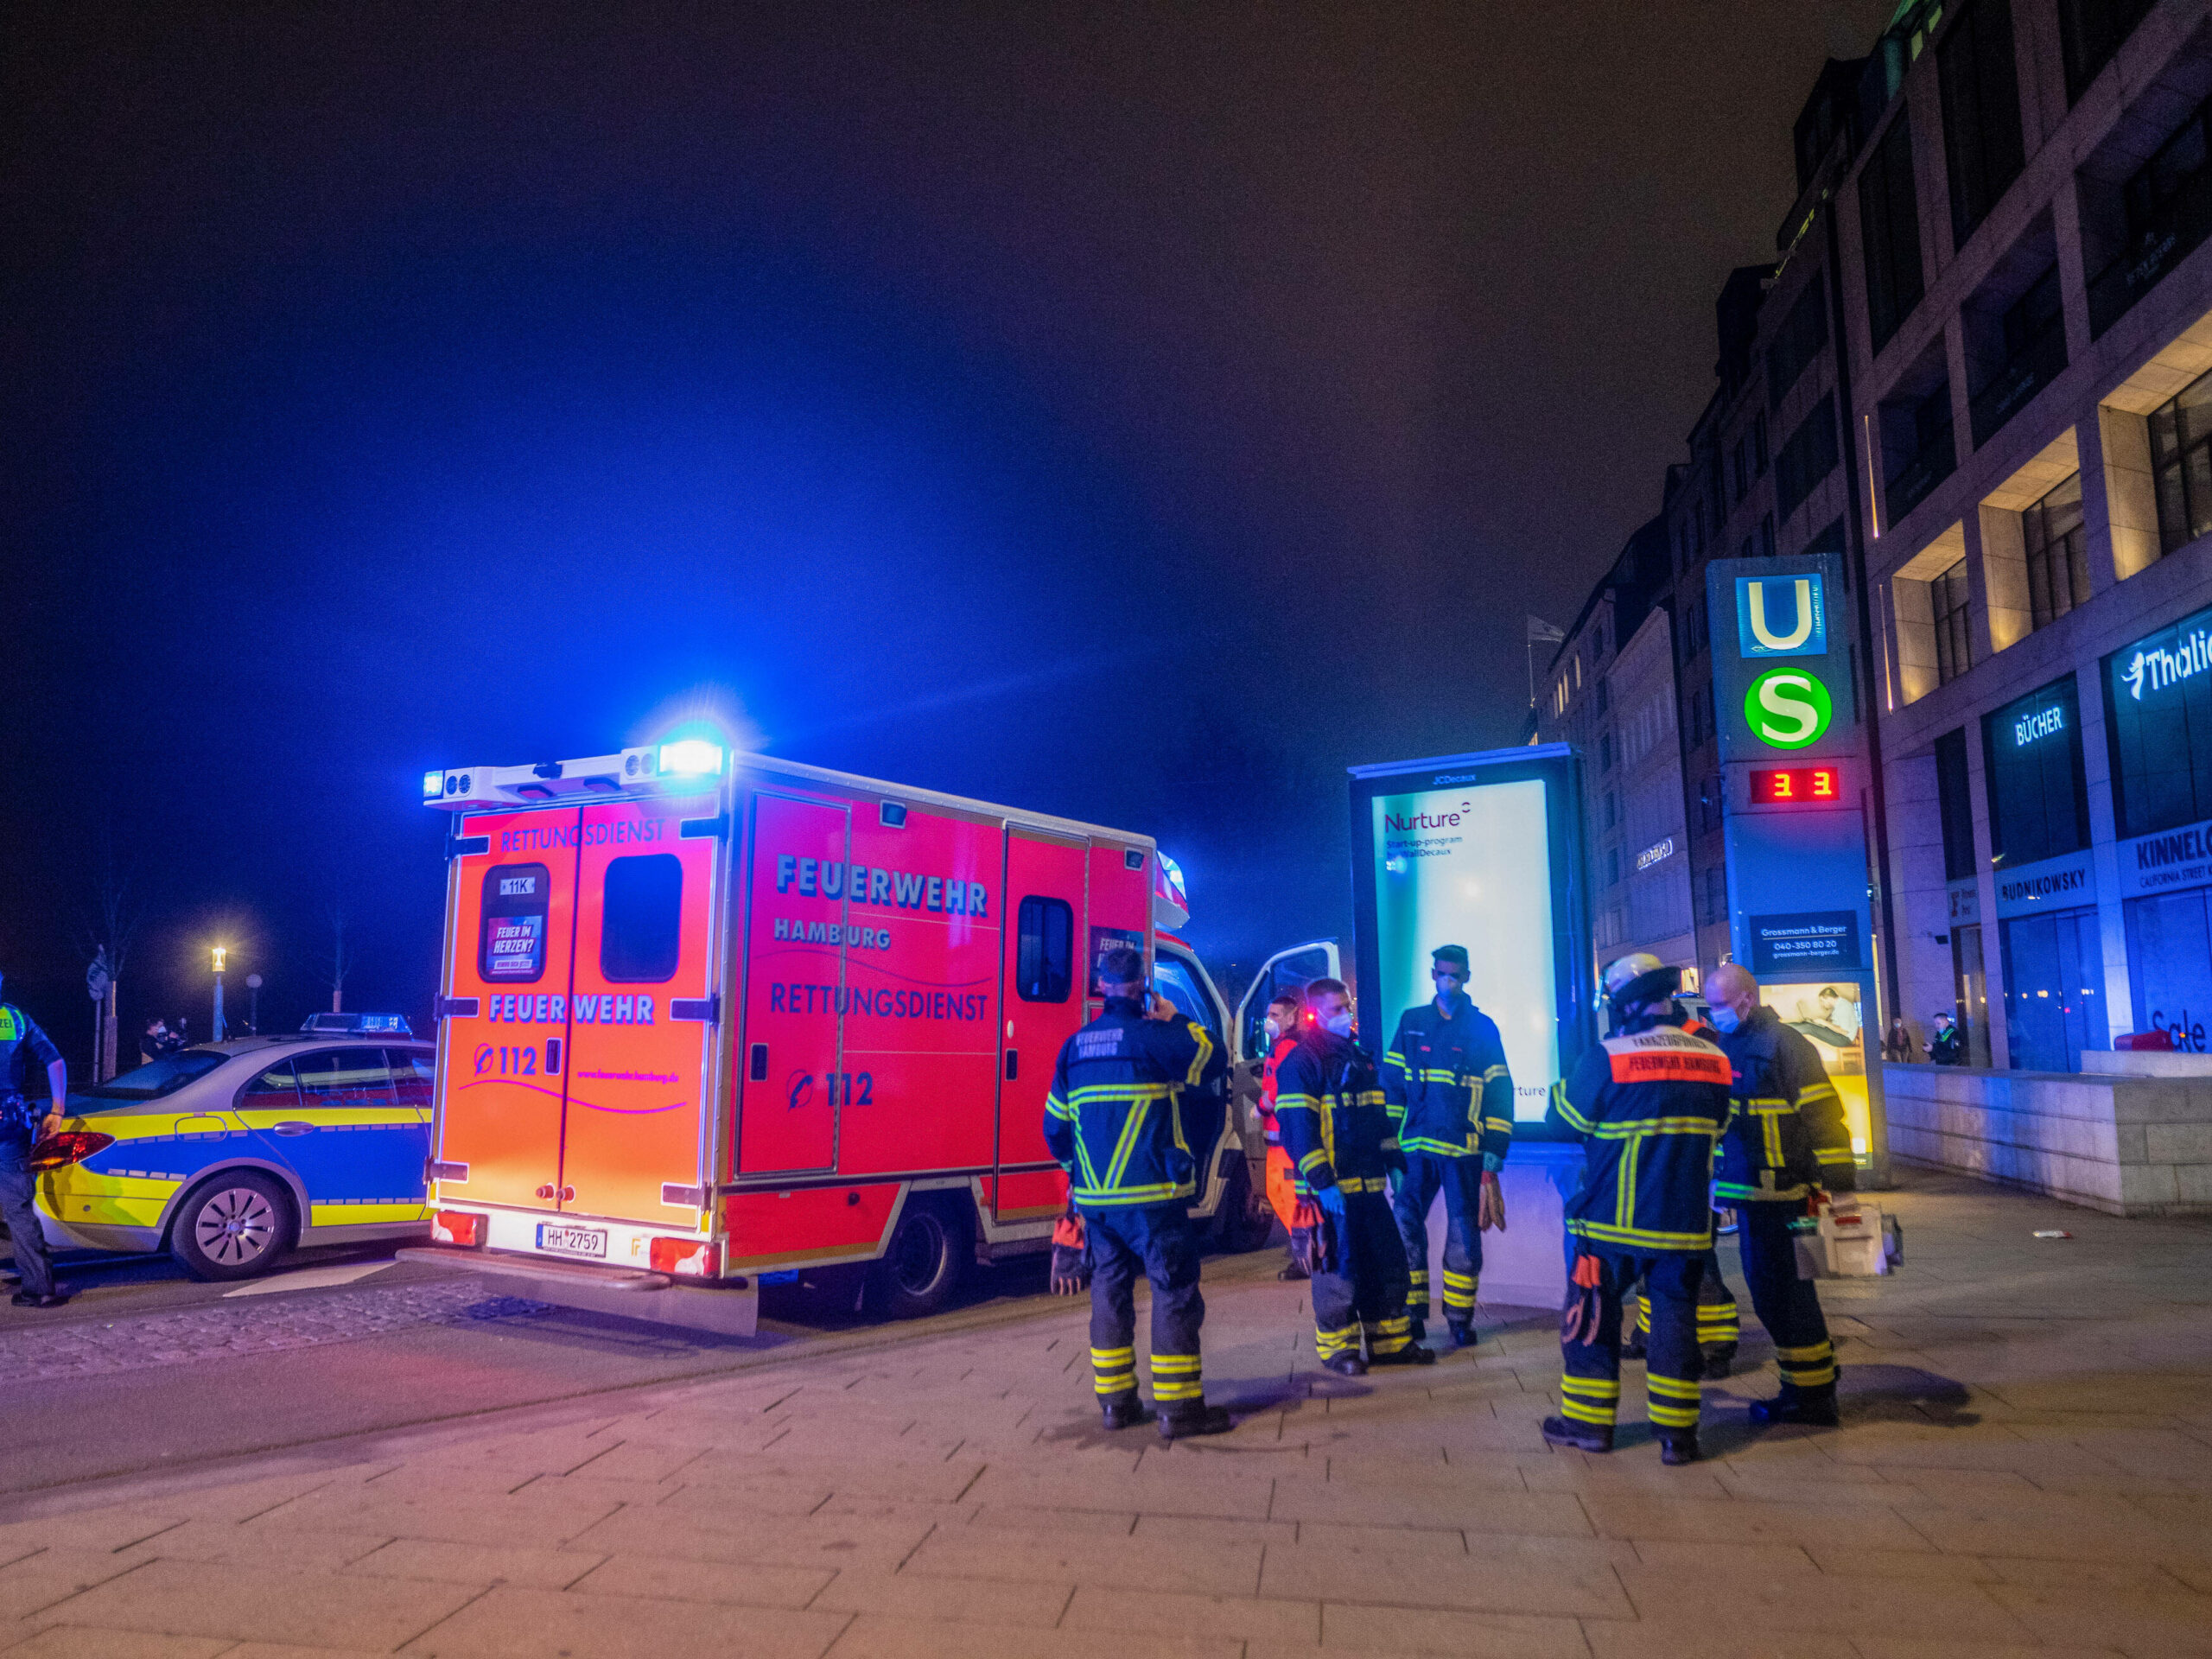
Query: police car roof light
point(690, 757)
point(393, 1025)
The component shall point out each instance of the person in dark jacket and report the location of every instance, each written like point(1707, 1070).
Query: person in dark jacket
point(1338, 1134)
point(1283, 1029)
point(1787, 1140)
point(1648, 1104)
point(1450, 1095)
point(1944, 1048)
point(22, 1045)
point(1113, 1120)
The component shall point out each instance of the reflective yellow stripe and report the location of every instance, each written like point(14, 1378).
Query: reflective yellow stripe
point(1673, 1388)
point(1582, 1411)
point(1672, 1416)
point(1604, 1234)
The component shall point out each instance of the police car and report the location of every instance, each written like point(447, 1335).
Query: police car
point(229, 1154)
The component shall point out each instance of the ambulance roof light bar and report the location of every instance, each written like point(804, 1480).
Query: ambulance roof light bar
point(686, 766)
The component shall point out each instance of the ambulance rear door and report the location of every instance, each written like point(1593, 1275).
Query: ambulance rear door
point(793, 1034)
point(1041, 1005)
point(642, 1009)
point(500, 1086)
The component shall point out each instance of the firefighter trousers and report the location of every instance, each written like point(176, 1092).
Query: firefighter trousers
point(1363, 1293)
point(1156, 1242)
point(1719, 1322)
point(1460, 1181)
point(1591, 1390)
point(1787, 1305)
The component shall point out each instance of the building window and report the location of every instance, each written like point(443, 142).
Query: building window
point(1612, 809)
point(1946, 598)
point(2181, 455)
point(1758, 444)
point(1981, 112)
point(2053, 990)
point(1925, 452)
point(1605, 752)
point(1810, 456)
point(1954, 805)
point(1766, 537)
point(1605, 695)
point(1889, 221)
point(2058, 557)
point(1802, 337)
point(2158, 719)
point(1613, 866)
point(2039, 800)
point(1830, 541)
point(1045, 950)
point(1713, 906)
point(2166, 210)
point(2089, 32)
point(2032, 333)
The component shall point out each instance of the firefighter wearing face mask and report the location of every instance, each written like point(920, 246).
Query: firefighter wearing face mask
point(1787, 1140)
point(1282, 1030)
point(1114, 1121)
point(1338, 1134)
point(1450, 1096)
point(1648, 1104)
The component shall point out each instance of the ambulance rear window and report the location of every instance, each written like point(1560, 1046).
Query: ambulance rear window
point(1043, 963)
point(510, 944)
point(641, 919)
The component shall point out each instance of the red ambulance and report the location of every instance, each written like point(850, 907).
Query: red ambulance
point(710, 1016)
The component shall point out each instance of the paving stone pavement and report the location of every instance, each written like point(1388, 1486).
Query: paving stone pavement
point(133, 1343)
point(2024, 1472)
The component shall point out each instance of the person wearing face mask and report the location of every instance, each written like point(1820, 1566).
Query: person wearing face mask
point(1114, 1121)
point(1787, 1140)
point(1647, 1104)
point(1338, 1132)
point(1450, 1096)
point(1282, 1036)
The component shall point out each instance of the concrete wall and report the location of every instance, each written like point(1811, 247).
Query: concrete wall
point(2129, 1146)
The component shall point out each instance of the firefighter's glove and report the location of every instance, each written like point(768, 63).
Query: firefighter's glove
point(1071, 1256)
point(1331, 1200)
point(1585, 1309)
point(1490, 1207)
point(1311, 1236)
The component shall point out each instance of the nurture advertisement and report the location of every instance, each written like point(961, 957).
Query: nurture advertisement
point(1472, 866)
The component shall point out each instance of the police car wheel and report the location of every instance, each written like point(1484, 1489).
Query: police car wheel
point(919, 1271)
point(237, 1225)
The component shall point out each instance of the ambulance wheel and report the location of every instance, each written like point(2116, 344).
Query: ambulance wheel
point(1246, 1223)
point(921, 1269)
point(239, 1224)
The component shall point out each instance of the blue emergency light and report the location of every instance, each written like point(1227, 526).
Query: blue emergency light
point(690, 757)
point(434, 786)
point(324, 1024)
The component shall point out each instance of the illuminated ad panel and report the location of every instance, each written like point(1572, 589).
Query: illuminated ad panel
point(1479, 864)
point(1828, 1013)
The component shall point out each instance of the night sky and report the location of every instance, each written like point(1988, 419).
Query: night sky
point(1137, 414)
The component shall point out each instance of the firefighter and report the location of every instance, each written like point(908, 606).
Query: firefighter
point(1338, 1132)
point(1719, 1321)
point(1788, 1140)
point(1282, 1035)
point(21, 1043)
point(1113, 1120)
point(1648, 1104)
point(1451, 1101)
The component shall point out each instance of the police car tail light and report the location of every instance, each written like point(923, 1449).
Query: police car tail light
point(70, 1146)
point(457, 1227)
point(687, 1258)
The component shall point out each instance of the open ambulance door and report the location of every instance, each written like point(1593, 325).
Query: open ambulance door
point(502, 1070)
point(642, 1008)
point(1042, 980)
point(1286, 971)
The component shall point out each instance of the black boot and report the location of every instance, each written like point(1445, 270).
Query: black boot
point(1198, 1418)
point(1719, 1357)
point(1419, 1328)
point(1463, 1333)
point(1678, 1446)
point(1632, 1347)
point(1580, 1437)
point(1346, 1363)
point(1293, 1273)
point(1412, 1354)
point(1122, 1410)
point(1815, 1407)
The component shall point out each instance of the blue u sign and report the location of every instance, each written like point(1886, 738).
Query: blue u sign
point(1781, 616)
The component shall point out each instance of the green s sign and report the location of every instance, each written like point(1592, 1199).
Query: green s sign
point(1787, 708)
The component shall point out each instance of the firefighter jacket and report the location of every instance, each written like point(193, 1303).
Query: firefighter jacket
point(1648, 1104)
point(1269, 1070)
point(1113, 1119)
point(1446, 1084)
point(1787, 1135)
point(1334, 1126)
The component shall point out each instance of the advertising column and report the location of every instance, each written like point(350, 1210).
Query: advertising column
point(1794, 754)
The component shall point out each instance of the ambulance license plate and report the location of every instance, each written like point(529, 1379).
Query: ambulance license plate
point(572, 1241)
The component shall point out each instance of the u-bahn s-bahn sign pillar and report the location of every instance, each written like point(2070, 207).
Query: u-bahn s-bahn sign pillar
point(1795, 792)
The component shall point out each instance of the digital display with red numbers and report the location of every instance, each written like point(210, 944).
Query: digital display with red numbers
point(1787, 785)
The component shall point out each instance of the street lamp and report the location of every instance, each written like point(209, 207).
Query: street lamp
point(219, 1034)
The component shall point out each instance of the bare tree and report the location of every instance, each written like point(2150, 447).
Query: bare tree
point(105, 940)
point(340, 958)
